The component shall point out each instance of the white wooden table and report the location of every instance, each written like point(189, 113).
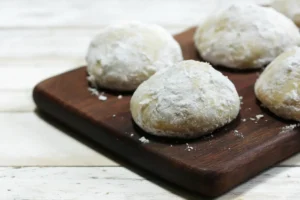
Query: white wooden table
point(40, 160)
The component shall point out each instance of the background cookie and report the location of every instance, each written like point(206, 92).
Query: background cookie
point(278, 87)
point(245, 36)
point(290, 8)
point(122, 56)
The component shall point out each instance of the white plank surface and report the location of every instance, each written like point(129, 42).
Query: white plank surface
point(118, 183)
point(26, 78)
point(89, 13)
point(50, 44)
point(27, 140)
point(16, 101)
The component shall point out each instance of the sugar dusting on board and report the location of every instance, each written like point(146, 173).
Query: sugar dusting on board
point(93, 89)
point(289, 128)
point(238, 134)
point(188, 147)
point(258, 117)
point(241, 100)
point(102, 97)
point(144, 140)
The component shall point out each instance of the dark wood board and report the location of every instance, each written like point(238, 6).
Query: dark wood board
point(217, 162)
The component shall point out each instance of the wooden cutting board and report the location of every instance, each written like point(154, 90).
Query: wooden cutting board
point(210, 165)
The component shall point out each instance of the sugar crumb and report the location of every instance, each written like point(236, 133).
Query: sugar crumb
point(251, 118)
point(131, 135)
point(238, 134)
point(93, 91)
point(258, 117)
point(144, 140)
point(114, 115)
point(243, 120)
point(120, 97)
point(241, 100)
point(188, 147)
point(288, 128)
point(102, 98)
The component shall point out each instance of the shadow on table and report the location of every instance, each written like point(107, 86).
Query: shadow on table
point(124, 163)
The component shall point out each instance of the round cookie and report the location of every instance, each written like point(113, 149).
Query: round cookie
point(278, 87)
point(245, 36)
point(122, 56)
point(186, 100)
point(290, 8)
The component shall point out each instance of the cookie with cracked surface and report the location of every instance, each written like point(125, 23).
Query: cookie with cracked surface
point(278, 87)
point(245, 36)
point(122, 56)
point(186, 100)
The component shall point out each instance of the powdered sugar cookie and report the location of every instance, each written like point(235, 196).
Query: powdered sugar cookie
point(186, 100)
point(122, 56)
point(245, 36)
point(290, 8)
point(278, 87)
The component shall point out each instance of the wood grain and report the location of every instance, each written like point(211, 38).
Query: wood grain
point(214, 160)
point(28, 140)
point(118, 183)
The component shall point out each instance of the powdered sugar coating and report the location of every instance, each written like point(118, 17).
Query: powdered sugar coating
point(186, 100)
point(290, 8)
point(245, 36)
point(122, 56)
point(278, 87)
